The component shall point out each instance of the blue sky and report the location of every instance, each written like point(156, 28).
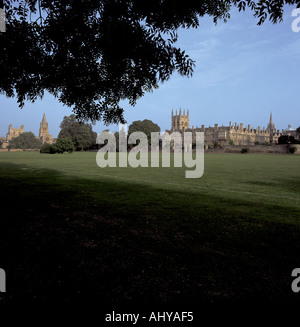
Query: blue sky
point(243, 72)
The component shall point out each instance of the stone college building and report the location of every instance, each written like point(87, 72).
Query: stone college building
point(226, 135)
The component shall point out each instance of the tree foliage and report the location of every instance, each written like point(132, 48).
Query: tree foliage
point(286, 139)
point(146, 126)
point(92, 54)
point(26, 140)
point(81, 134)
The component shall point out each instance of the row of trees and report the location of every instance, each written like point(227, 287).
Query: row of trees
point(78, 136)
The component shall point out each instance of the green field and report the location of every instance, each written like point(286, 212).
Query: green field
point(73, 231)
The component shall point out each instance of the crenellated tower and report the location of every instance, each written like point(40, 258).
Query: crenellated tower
point(180, 121)
point(14, 132)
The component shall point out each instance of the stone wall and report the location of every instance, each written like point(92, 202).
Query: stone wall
point(18, 150)
point(297, 146)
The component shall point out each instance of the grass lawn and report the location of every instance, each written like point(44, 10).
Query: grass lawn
point(70, 230)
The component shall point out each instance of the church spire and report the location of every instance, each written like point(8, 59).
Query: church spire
point(44, 118)
point(271, 119)
point(271, 125)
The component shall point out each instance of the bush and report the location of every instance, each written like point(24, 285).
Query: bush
point(63, 144)
point(231, 142)
point(47, 148)
point(245, 150)
point(293, 149)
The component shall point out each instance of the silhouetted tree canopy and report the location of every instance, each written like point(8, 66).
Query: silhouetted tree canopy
point(91, 54)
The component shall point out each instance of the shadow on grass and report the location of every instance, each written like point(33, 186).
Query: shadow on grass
point(72, 239)
point(291, 184)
